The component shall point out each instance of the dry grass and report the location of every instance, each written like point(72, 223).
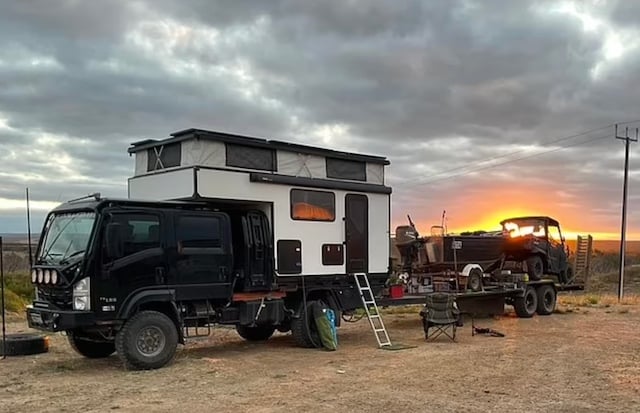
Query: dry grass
point(597, 300)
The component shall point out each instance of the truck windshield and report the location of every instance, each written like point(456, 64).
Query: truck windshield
point(66, 236)
point(519, 228)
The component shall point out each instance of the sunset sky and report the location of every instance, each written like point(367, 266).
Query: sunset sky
point(486, 109)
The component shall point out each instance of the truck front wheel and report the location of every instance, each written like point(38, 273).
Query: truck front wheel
point(526, 305)
point(255, 333)
point(546, 300)
point(90, 348)
point(148, 340)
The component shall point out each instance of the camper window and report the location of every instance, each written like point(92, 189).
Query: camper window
point(249, 157)
point(313, 205)
point(164, 156)
point(343, 169)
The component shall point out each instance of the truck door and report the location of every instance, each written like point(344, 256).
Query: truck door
point(202, 266)
point(357, 233)
point(143, 263)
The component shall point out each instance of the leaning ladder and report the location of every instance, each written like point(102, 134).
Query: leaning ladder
point(377, 325)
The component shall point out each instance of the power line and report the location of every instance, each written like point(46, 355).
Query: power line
point(411, 184)
point(544, 144)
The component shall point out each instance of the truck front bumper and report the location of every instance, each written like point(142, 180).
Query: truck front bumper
point(48, 319)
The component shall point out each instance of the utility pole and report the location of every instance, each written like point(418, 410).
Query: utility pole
point(623, 232)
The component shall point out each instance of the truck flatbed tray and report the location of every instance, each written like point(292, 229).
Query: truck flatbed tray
point(420, 298)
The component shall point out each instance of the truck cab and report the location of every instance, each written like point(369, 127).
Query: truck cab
point(101, 262)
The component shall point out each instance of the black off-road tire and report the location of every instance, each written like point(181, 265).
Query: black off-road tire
point(474, 283)
point(535, 268)
point(303, 331)
point(24, 344)
point(148, 340)
point(546, 300)
point(527, 305)
point(89, 348)
point(255, 333)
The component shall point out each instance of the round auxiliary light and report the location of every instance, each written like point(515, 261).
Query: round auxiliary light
point(54, 277)
point(47, 276)
point(40, 276)
point(34, 276)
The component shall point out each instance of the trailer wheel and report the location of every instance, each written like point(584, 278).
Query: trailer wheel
point(474, 283)
point(535, 267)
point(303, 328)
point(89, 348)
point(24, 344)
point(147, 341)
point(526, 305)
point(546, 300)
point(255, 333)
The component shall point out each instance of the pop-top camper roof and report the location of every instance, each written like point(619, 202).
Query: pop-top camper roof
point(276, 159)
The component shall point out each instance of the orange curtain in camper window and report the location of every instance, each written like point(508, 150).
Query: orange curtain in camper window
point(312, 205)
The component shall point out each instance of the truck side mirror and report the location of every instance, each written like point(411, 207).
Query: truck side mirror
point(114, 242)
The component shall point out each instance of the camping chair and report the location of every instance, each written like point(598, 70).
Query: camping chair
point(440, 314)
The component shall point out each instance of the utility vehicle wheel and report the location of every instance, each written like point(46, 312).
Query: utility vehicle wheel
point(148, 340)
point(24, 344)
point(475, 280)
point(303, 328)
point(255, 333)
point(535, 267)
point(527, 305)
point(89, 348)
point(546, 300)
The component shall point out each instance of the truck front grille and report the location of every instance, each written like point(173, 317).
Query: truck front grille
point(58, 297)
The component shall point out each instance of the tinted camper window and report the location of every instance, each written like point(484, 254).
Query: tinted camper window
point(343, 169)
point(249, 157)
point(313, 205)
point(165, 156)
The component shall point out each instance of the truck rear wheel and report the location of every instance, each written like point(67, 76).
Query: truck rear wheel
point(148, 340)
point(535, 268)
point(91, 348)
point(546, 300)
point(255, 333)
point(303, 328)
point(526, 305)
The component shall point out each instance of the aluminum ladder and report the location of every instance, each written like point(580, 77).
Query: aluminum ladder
point(377, 325)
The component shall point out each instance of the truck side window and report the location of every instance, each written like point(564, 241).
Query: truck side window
point(141, 232)
point(199, 232)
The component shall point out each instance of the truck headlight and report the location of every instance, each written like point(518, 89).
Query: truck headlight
point(40, 276)
point(82, 294)
point(81, 303)
point(34, 276)
point(47, 276)
point(54, 277)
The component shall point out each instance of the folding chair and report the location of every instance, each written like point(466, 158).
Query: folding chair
point(441, 316)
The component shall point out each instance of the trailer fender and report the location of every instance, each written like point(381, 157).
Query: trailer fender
point(469, 267)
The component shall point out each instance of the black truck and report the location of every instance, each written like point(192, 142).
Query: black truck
point(140, 277)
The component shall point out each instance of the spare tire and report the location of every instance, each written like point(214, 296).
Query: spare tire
point(24, 344)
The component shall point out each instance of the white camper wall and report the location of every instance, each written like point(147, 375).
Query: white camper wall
point(162, 186)
point(313, 234)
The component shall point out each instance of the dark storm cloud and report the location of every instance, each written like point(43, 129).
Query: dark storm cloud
point(436, 86)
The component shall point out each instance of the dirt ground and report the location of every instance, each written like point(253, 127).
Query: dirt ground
point(579, 361)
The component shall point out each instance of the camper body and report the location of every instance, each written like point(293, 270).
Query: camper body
point(223, 230)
